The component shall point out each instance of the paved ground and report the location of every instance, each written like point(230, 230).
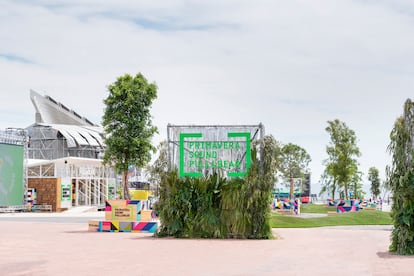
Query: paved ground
point(30, 247)
point(65, 217)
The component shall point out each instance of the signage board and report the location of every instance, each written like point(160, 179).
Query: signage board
point(11, 174)
point(202, 150)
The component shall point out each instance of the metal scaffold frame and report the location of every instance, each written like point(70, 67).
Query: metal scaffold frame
point(47, 142)
point(207, 135)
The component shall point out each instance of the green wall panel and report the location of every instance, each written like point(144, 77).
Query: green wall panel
point(11, 175)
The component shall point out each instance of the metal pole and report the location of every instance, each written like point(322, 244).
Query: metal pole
point(262, 133)
point(169, 161)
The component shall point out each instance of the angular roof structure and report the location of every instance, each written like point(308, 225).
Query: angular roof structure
point(49, 111)
point(77, 130)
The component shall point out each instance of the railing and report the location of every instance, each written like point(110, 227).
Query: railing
point(82, 198)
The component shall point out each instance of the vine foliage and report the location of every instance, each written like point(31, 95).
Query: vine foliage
point(401, 181)
point(215, 207)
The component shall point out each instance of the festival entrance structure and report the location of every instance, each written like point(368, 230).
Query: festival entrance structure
point(218, 183)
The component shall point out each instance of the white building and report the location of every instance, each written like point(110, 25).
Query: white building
point(64, 152)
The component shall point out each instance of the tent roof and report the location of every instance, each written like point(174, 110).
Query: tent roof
point(79, 135)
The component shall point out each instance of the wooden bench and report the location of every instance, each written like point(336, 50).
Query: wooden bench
point(14, 209)
point(42, 207)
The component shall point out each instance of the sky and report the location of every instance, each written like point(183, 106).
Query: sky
point(291, 65)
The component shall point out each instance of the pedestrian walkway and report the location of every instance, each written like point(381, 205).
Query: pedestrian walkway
point(80, 210)
point(47, 249)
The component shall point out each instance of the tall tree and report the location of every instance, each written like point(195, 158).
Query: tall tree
point(127, 124)
point(328, 184)
point(293, 163)
point(357, 185)
point(342, 152)
point(373, 177)
point(400, 177)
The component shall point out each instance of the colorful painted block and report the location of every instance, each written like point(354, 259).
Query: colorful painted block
point(108, 207)
point(146, 215)
point(104, 226)
point(139, 194)
point(93, 225)
point(123, 210)
point(125, 216)
point(127, 226)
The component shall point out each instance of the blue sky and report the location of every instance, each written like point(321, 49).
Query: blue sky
point(292, 65)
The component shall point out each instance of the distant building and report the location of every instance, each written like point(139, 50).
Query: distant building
point(61, 132)
point(64, 151)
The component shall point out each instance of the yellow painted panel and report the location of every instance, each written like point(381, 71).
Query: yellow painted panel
point(139, 194)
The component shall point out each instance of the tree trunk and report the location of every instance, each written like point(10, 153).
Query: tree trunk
point(292, 188)
point(125, 188)
point(346, 191)
point(333, 190)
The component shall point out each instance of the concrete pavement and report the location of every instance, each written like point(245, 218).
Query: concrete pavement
point(44, 248)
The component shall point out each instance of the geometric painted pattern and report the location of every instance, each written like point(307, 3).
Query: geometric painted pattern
point(127, 226)
point(124, 216)
point(345, 209)
point(132, 207)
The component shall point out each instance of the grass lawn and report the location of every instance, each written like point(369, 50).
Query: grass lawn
point(317, 208)
point(363, 217)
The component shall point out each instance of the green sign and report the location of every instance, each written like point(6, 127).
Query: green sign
point(66, 192)
point(11, 174)
point(111, 191)
point(197, 155)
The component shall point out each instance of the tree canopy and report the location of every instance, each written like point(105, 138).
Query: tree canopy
point(342, 165)
point(127, 124)
point(373, 177)
point(293, 163)
point(328, 183)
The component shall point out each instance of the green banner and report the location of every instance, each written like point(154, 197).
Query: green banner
point(66, 192)
point(232, 154)
point(11, 175)
point(111, 191)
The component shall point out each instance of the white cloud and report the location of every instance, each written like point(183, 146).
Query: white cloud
point(292, 65)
